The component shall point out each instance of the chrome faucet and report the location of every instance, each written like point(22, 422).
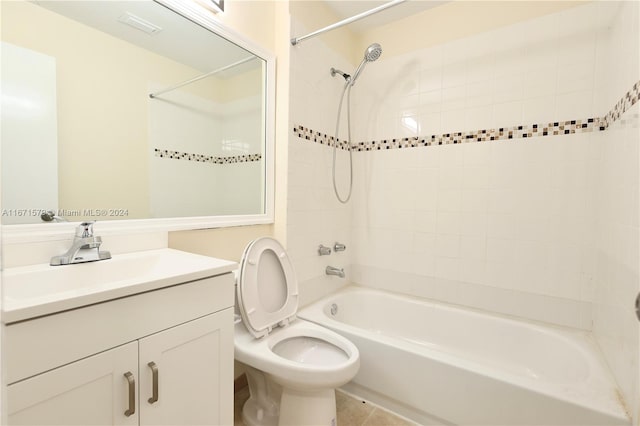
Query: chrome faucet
point(331, 270)
point(85, 248)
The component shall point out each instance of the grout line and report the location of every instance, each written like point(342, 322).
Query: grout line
point(369, 416)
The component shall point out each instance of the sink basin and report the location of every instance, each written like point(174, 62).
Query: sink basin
point(38, 290)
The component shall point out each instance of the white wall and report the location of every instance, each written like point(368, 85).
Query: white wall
point(617, 254)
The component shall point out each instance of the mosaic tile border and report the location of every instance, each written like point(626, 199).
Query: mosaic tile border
point(626, 102)
point(502, 133)
point(321, 138)
point(201, 158)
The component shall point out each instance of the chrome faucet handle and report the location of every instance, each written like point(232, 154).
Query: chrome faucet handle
point(324, 251)
point(339, 247)
point(85, 247)
point(85, 229)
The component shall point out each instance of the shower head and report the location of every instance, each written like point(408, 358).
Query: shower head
point(372, 53)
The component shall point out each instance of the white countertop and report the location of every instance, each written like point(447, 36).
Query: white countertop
point(37, 290)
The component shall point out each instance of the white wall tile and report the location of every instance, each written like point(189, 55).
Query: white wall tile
point(453, 97)
point(539, 110)
point(575, 105)
point(507, 114)
point(448, 223)
point(473, 248)
point(540, 80)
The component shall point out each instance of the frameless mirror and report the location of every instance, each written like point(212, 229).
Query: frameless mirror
point(128, 110)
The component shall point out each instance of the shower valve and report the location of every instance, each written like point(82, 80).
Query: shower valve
point(339, 247)
point(324, 251)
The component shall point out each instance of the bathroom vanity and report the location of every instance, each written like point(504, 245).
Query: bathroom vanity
point(145, 338)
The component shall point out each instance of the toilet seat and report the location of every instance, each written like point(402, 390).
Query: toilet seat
point(267, 287)
point(260, 354)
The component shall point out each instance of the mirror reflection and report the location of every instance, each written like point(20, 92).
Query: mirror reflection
point(126, 110)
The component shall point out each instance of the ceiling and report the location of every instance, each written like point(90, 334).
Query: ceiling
point(179, 38)
point(347, 8)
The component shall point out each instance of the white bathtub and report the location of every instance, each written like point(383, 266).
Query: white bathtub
point(439, 364)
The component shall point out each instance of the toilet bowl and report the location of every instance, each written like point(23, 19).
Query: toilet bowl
point(293, 365)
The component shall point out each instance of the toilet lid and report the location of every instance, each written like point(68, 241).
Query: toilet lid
point(267, 287)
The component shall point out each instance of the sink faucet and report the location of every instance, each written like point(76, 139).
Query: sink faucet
point(331, 270)
point(85, 248)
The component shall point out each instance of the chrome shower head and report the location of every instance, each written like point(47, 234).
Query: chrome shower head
point(372, 53)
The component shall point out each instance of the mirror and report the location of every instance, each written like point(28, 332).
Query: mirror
point(117, 110)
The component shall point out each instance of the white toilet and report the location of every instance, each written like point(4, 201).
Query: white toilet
point(293, 365)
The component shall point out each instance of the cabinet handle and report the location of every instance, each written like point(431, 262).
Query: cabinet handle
point(132, 394)
point(154, 373)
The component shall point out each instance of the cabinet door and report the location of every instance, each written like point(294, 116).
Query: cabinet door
point(92, 391)
point(194, 364)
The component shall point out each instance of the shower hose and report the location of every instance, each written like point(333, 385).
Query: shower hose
point(347, 90)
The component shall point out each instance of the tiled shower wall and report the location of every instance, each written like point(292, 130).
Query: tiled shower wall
point(616, 252)
point(543, 227)
point(314, 216)
point(503, 225)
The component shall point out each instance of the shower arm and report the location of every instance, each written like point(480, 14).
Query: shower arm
point(296, 40)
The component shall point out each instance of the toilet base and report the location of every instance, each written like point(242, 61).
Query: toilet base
point(295, 409)
point(263, 406)
point(253, 414)
point(299, 408)
point(272, 404)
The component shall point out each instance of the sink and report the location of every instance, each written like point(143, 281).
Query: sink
point(37, 290)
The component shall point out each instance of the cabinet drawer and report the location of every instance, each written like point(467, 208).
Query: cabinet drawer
point(34, 346)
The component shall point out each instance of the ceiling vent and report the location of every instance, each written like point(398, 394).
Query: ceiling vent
point(139, 23)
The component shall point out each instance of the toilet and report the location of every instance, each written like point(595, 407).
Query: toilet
point(293, 365)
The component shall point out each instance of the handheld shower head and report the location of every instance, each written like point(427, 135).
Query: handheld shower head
point(372, 53)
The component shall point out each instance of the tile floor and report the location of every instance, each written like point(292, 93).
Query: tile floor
point(351, 411)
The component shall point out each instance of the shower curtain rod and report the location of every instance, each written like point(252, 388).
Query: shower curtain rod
point(354, 18)
point(200, 77)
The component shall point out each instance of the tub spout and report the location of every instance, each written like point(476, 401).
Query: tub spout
point(331, 270)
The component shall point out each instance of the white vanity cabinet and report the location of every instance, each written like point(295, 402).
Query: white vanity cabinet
point(193, 366)
point(163, 357)
point(85, 392)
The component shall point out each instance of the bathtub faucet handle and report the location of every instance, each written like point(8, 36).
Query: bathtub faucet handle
point(324, 251)
point(339, 247)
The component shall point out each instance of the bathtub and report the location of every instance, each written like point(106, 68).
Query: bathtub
point(439, 364)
